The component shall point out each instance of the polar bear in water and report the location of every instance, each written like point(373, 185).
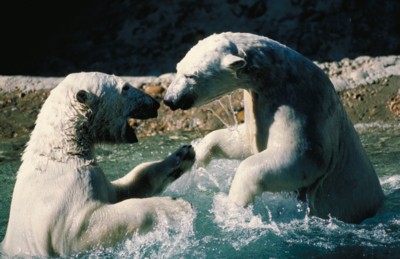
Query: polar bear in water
point(296, 135)
point(62, 202)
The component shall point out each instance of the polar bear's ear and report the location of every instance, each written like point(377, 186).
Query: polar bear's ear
point(233, 62)
point(82, 96)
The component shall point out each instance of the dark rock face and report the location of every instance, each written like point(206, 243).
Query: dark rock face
point(150, 37)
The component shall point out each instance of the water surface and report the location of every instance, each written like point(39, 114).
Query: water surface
point(276, 226)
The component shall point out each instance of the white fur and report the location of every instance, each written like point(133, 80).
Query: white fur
point(62, 201)
point(296, 134)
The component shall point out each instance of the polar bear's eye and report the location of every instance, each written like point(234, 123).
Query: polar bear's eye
point(82, 96)
point(190, 76)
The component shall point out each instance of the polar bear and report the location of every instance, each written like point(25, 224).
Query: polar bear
point(296, 135)
point(62, 202)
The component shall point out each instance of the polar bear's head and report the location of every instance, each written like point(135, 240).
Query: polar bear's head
point(103, 104)
point(206, 73)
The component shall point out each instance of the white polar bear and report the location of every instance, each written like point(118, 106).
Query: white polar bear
point(62, 202)
point(296, 135)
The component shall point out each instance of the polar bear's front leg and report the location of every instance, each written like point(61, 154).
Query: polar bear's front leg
point(223, 143)
point(151, 178)
point(272, 170)
point(285, 165)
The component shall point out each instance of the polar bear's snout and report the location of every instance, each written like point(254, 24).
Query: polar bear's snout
point(180, 93)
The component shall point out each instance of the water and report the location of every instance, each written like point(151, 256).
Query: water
point(276, 226)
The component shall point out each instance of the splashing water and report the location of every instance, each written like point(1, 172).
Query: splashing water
point(154, 245)
point(230, 121)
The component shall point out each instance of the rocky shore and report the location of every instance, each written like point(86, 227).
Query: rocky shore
point(369, 89)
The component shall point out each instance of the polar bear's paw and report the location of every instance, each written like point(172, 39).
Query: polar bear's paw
point(203, 152)
point(182, 160)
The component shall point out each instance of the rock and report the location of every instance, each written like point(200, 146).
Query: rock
point(240, 116)
point(373, 111)
point(394, 105)
point(154, 90)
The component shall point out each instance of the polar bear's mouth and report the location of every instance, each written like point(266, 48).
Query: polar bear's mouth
point(130, 134)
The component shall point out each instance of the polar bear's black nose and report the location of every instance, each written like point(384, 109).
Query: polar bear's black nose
point(146, 111)
point(183, 103)
point(170, 104)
